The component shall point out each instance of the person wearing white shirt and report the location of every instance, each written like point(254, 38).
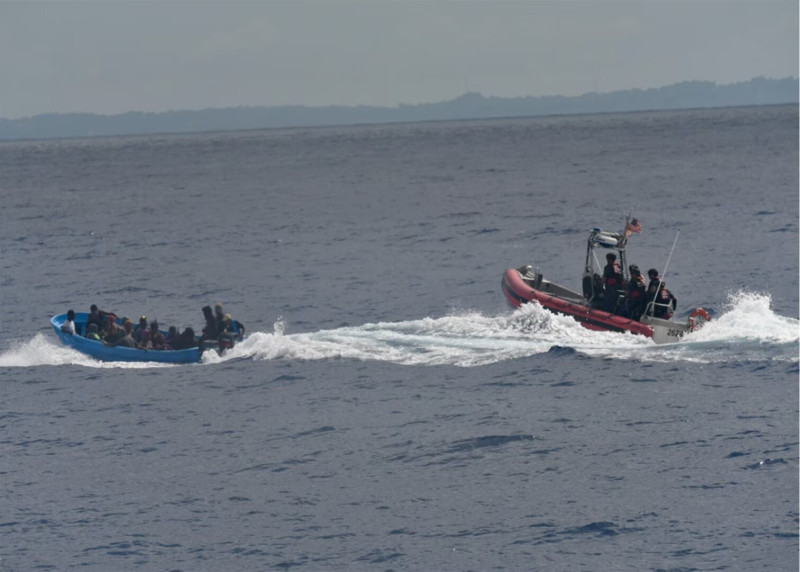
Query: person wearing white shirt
point(68, 327)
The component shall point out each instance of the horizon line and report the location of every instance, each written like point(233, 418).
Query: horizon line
point(395, 106)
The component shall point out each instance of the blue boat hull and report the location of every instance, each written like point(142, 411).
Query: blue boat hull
point(102, 352)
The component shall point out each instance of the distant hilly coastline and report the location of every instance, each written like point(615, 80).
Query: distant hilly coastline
point(685, 95)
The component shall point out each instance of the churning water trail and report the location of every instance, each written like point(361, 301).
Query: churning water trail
point(746, 330)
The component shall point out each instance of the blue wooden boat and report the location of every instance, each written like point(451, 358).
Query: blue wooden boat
point(103, 352)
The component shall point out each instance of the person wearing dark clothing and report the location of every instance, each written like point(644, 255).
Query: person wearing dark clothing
point(99, 317)
point(95, 317)
point(210, 331)
point(172, 336)
point(185, 340)
point(664, 301)
point(188, 339)
point(613, 281)
point(637, 293)
point(219, 315)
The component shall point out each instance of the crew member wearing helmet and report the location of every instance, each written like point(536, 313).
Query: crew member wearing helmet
point(637, 293)
point(657, 292)
point(612, 281)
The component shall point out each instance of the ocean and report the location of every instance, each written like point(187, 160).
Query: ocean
point(388, 410)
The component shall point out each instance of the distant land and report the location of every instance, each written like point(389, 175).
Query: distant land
point(684, 95)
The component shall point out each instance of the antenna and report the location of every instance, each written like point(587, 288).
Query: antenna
point(661, 279)
point(651, 305)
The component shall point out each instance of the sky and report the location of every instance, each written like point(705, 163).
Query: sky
point(115, 56)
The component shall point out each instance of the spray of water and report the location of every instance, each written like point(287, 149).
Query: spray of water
point(747, 330)
point(45, 350)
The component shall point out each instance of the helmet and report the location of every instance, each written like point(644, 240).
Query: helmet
point(611, 256)
point(652, 272)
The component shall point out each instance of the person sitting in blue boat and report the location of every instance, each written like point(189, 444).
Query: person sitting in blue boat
point(185, 340)
point(112, 331)
point(160, 343)
point(126, 339)
point(140, 328)
point(145, 341)
point(153, 329)
point(68, 327)
point(172, 336)
point(91, 333)
point(97, 317)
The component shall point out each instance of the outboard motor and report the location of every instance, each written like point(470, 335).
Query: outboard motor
point(531, 275)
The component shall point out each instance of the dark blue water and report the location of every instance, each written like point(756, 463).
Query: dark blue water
point(388, 410)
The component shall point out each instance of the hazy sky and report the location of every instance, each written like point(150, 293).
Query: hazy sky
point(114, 56)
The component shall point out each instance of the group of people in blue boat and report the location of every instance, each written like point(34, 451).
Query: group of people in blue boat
point(637, 294)
point(104, 327)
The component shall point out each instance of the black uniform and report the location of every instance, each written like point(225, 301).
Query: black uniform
point(665, 302)
point(613, 281)
point(637, 296)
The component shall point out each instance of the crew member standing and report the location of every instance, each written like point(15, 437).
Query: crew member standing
point(637, 293)
point(664, 301)
point(612, 282)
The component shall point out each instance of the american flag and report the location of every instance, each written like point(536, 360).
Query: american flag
point(633, 226)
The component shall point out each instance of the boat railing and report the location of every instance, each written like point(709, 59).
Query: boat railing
point(650, 308)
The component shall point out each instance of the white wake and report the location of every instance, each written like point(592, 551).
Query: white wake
point(747, 330)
